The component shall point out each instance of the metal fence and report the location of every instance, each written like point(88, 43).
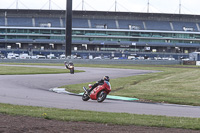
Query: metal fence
point(93, 61)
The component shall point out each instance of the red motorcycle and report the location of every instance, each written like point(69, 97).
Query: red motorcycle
point(99, 93)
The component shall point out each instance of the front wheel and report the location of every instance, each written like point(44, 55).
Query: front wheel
point(72, 71)
point(85, 97)
point(101, 96)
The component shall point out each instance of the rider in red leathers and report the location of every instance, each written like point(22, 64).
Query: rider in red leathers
point(100, 82)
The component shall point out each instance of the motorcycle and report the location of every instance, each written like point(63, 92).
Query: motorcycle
point(99, 93)
point(70, 66)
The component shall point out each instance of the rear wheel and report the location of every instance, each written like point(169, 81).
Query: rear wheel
point(101, 96)
point(85, 97)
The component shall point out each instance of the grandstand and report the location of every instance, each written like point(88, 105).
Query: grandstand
point(99, 33)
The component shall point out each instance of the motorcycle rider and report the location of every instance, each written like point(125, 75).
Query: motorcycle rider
point(70, 66)
point(100, 82)
point(67, 65)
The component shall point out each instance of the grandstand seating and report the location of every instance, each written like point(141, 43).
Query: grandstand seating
point(124, 24)
point(19, 21)
point(103, 23)
point(79, 23)
point(2, 21)
point(158, 25)
point(42, 22)
point(43, 27)
point(179, 26)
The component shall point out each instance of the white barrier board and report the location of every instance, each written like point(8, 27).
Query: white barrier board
point(197, 63)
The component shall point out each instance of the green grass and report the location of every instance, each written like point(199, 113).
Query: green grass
point(101, 117)
point(14, 70)
point(173, 85)
point(40, 64)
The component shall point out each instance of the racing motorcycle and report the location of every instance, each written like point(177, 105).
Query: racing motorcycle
point(69, 66)
point(99, 93)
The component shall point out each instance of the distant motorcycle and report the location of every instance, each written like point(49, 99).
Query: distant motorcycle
point(99, 93)
point(69, 66)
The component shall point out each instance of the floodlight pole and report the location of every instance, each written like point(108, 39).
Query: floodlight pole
point(16, 4)
point(68, 29)
point(179, 6)
point(49, 4)
point(82, 5)
point(115, 5)
point(148, 7)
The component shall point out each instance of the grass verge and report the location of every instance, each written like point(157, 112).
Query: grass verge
point(14, 70)
point(175, 84)
point(154, 86)
point(101, 117)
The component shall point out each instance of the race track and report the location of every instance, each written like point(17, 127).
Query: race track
point(33, 90)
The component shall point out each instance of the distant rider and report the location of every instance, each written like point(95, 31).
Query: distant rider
point(67, 65)
point(100, 82)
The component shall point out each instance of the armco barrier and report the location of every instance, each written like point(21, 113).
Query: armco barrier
point(93, 61)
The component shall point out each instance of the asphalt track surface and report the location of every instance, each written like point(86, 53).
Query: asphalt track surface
point(33, 90)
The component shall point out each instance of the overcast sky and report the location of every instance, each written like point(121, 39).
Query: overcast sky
point(155, 6)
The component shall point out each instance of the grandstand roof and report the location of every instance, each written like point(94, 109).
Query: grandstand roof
point(100, 14)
